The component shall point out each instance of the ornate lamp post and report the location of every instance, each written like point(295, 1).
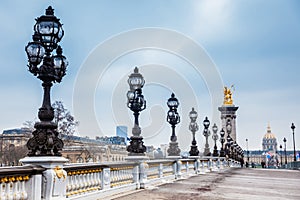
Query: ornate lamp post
point(136, 103)
point(222, 140)
point(206, 133)
point(284, 140)
point(227, 146)
point(215, 137)
point(280, 146)
point(173, 118)
point(235, 150)
point(247, 150)
point(193, 128)
point(293, 128)
point(231, 148)
point(49, 69)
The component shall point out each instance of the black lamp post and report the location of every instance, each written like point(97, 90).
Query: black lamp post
point(173, 118)
point(222, 140)
point(193, 128)
point(235, 150)
point(227, 146)
point(284, 140)
point(231, 148)
point(293, 128)
point(206, 133)
point(280, 146)
point(215, 137)
point(136, 103)
point(247, 150)
point(48, 33)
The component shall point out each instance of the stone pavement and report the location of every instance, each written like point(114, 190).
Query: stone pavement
point(235, 183)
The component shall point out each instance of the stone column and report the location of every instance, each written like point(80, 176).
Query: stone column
point(140, 171)
point(54, 178)
point(228, 112)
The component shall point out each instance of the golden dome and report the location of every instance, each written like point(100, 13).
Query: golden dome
point(269, 134)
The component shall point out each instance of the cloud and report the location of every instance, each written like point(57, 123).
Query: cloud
point(211, 20)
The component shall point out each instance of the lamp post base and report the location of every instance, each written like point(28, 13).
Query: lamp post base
point(136, 147)
point(173, 149)
point(45, 141)
point(215, 153)
point(206, 152)
point(222, 153)
point(194, 151)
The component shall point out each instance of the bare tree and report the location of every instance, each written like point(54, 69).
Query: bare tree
point(29, 125)
point(66, 123)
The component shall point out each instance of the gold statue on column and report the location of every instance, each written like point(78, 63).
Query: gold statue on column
point(228, 95)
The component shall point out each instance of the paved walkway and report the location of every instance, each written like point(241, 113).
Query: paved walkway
point(232, 184)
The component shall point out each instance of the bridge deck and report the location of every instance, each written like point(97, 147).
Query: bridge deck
point(231, 184)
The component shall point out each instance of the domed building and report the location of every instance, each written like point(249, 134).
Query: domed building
point(269, 143)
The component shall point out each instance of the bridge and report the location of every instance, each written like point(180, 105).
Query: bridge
point(46, 175)
point(232, 183)
point(198, 176)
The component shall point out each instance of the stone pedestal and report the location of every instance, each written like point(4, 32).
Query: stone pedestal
point(140, 171)
point(176, 166)
point(196, 163)
point(54, 178)
point(228, 112)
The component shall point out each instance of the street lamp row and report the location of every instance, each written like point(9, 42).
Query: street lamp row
point(51, 67)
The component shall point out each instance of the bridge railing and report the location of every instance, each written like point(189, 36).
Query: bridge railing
point(95, 180)
point(21, 182)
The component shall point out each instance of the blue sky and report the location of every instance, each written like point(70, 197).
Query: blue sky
point(253, 44)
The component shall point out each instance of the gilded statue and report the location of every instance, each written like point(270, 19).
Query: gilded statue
point(228, 95)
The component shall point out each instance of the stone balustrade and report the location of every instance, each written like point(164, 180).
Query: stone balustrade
point(94, 180)
point(18, 183)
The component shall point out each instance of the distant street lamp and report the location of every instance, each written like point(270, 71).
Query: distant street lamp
point(293, 128)
point(280, 146)
point(284, 140)
point(247, 150)
point(235, 146)
point(193, 128)
point(229, 143)
point(232, 148)
point(227, 146)
point(215, 137)
point(48, 33)
point(136, 103)
point(173, 118)
point(222, 140)
point(206, 133)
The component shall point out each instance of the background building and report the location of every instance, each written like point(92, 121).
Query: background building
point(269, 142)
point(269, 153)
point(76, 149)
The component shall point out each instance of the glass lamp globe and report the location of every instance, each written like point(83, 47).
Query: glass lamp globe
point(173, 101)
point(193, 115)
point(206, 123)
point(50, 29)
point(136, 80)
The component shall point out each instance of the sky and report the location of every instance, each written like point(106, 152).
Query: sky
point(192, 48)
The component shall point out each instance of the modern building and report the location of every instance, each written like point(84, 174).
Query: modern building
point(121, 131)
